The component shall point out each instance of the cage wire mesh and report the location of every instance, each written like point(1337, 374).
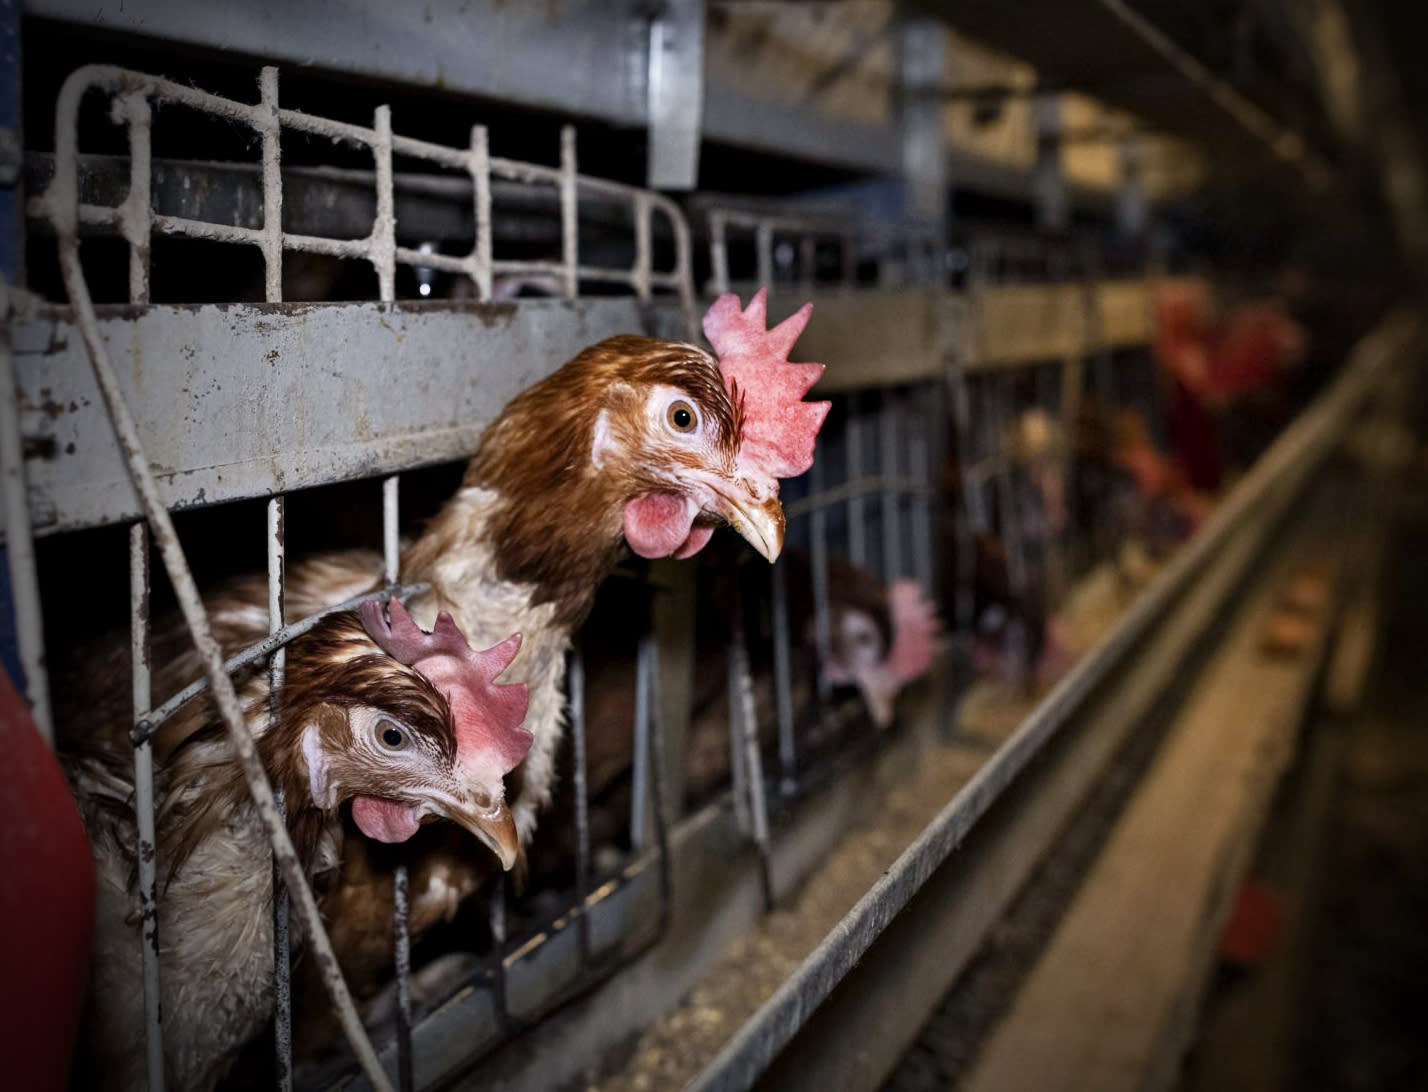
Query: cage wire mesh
point(864, 507)
point(132, 98)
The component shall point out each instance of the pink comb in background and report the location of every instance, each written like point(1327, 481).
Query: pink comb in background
point(915, 630)
point(779, 427)
point(486, 717)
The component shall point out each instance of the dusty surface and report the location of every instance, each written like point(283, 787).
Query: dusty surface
point(1339, 1004)
point(673, 1051)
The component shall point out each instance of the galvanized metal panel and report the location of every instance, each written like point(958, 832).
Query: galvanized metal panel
point(247, 400)
point(586, 60)
point(562, 55)
point(866, 338)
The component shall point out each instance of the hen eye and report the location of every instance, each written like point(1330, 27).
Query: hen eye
point(681, 417)
point(392, 737)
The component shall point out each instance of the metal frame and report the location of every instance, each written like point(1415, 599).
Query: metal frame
point(526, 976)
point(899, 487)
point(132, 95)
point(1271, 484)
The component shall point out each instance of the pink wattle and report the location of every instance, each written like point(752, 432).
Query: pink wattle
point(658, 524)
point(697, 540)
point(384, 820)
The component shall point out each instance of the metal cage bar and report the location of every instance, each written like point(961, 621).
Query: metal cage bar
point(137, 223)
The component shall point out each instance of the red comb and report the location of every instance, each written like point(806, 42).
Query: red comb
point(779, 427)
point(486, 717)
point(915, 630)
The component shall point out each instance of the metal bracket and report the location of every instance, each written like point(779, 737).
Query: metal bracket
point(676, 94)
point(1049, 184)
point(922, 56)
point(1132, 210)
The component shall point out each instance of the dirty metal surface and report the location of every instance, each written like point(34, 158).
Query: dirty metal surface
point(247, 400)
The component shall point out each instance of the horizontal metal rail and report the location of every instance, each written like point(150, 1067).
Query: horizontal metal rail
point(1287, 464)
point(859, 487)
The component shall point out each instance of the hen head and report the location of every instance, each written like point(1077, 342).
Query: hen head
point(881, 647)
point(656, 442)
point(410, 731)
point(700, 439)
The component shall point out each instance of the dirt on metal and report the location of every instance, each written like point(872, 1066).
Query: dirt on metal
point(678, 1047)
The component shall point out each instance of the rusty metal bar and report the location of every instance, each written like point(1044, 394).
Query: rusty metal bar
point(272, 243)
point(277, 663)
point(146, 852)
point(133, 110)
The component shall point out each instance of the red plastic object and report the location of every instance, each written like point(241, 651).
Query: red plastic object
point(46, 903)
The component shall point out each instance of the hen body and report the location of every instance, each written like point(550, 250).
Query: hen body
point(215, 872)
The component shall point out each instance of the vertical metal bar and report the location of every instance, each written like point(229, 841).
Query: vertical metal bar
point(19, 541)
point(569, 214)
point(970, 520)
point(922, 466)
point(675, 94)
point(401, 933)
point(643, 268)
point(738, 773)
point(887, 470)
point(1004, 401)
point(576, 697)
point(922, 63)
point(719, 252)
point(753, 760)
point(1132, 208)
point(857, 514)
point(818, 542)
point(401, 909)
point(147, 850)
point(639, 787)
point(391, 543)
point(481, 195)
point(225, 697)
point(783, 683)
point(277, 664)
point(384, 224)
point(658, 797)
point(497, 919)
point(272, 248)
point(136, 213)
point(763, 246)
point(1048, 182)
point(22, 648)
point(272, 186)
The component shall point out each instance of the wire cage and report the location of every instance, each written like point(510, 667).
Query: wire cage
point(864, 513)
point(1039, 367)
point(429, 222)
point(573, 946)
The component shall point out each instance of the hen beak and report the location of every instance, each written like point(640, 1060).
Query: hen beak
point(494, 826)
point(879, 695)
point(759, 522)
